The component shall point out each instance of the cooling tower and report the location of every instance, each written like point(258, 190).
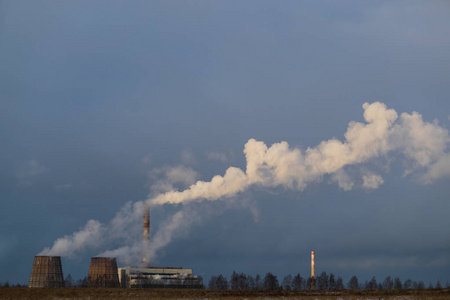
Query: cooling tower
point(103, 273)
point(47, 272)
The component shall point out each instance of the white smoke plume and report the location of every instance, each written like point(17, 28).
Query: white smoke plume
point(422, 143)
point(89, 236)
point(343, 180)
point(372, 181)
point(169, 178)
point(422, 146)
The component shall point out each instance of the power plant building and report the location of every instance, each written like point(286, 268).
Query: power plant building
point(154, 277)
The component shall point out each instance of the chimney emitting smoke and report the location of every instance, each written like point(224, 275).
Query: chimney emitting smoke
point(146, 236)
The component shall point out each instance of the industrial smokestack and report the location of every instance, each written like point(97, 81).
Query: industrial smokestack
point(313, 276)
point(146, 236)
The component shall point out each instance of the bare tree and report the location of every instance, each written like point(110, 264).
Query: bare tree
point(322, 281)
point(222, 282)
point(372, 284)
point(82, 282)
point(397, 283)
point(218, 283)
point(68, 281)
point(340, 284)
point(242, 282)
point(287, 282)
point(212, 284)
point(407, 284)
point(353, 283)
point(271, 282)
point(297, 282)
point(332, 282)
point(421, 285)
point(258, 283)
point(234, 281)
point(251, 282)
point(388, 283)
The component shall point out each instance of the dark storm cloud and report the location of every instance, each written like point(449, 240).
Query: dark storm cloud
point(87, 90)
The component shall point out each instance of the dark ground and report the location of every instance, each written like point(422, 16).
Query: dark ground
point(119, 294)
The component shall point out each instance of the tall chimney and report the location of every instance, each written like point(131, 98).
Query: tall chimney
point(146, 236)
point(313, 277)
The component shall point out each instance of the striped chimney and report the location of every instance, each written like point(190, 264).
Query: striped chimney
point(146, 235)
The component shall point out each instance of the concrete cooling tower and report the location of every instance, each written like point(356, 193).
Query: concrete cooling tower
point(46, 272)
point(103, 273)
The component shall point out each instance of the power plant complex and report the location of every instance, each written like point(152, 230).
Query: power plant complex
point(104, 273)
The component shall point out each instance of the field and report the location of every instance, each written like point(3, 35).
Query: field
point(119, 294)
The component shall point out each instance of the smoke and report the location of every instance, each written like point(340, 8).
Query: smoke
point(169, 178)
point(421, 147)
point(372, 181)
point(421, 143)
point(343, 180)
point(89, 236)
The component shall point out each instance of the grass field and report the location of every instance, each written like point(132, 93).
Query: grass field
point(120, 294)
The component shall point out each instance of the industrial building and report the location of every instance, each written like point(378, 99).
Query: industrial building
point(154, 277)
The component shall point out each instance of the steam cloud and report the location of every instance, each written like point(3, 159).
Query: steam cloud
point(420, 145)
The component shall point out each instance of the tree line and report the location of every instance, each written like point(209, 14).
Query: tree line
point(68, 282)
point(241, 281)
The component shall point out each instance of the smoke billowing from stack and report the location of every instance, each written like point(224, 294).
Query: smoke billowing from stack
point(146, 237)
point(103, 273)
point(313, 275)
point(47, 272)
point(421, 146)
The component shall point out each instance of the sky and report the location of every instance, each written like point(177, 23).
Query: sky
point(256, 132)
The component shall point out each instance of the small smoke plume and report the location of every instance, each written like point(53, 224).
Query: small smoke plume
point(422, 147)
point(372, 181)
point(169, 178)
point(343, 180)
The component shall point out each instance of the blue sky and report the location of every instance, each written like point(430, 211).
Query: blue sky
point(104, 103)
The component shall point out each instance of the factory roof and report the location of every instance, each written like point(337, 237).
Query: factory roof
point(156, 270)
